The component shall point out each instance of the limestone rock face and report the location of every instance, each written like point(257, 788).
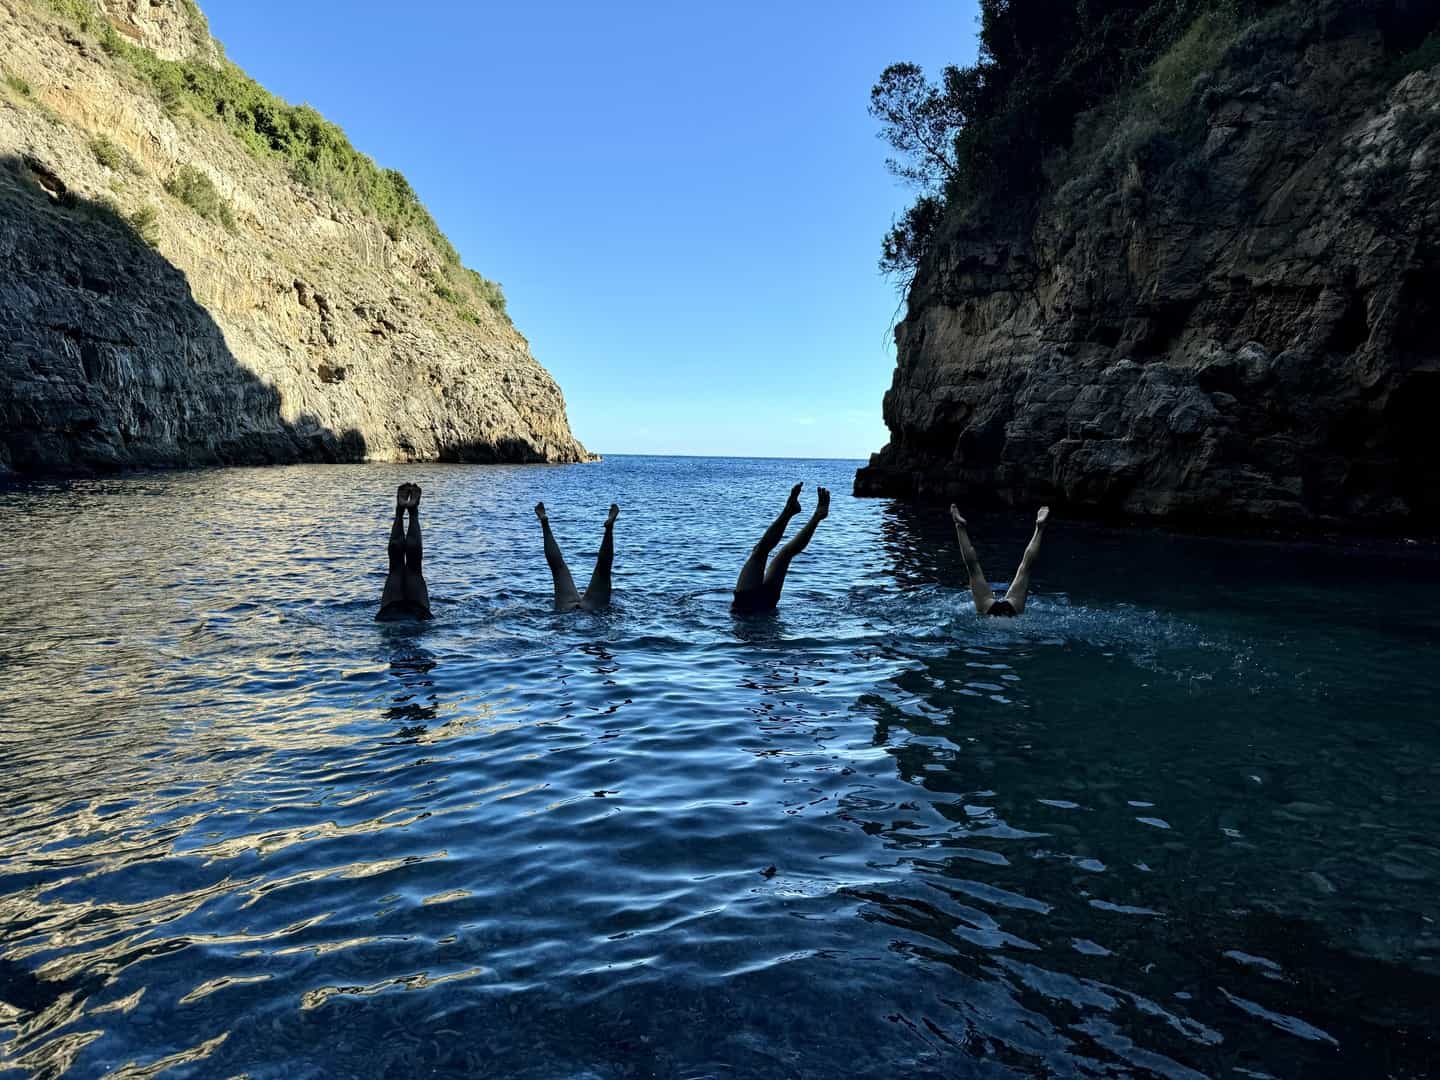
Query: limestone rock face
point(1251, 337)
point(171, 29)
point(304, 332)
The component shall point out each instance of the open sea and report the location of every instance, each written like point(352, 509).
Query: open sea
point(1181, 819)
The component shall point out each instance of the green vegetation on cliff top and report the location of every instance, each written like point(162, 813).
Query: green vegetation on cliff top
point(985, 131)
point(316, 152)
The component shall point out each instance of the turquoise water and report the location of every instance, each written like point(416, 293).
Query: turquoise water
point(1180, 819)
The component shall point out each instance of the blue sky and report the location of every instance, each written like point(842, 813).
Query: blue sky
point(684, 202)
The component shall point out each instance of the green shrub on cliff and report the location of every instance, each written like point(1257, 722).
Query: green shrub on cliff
point(443, 289)
point(981, 136)
point(19, 85)
point(1199, 50)
point(488, 291)
point(316, 152)
point(198, 191)
point(986, 129)
point(145, 223)
point(473, 286)
point(198, 23)
point(113, 156)
point(909, 238)
point(80, 12)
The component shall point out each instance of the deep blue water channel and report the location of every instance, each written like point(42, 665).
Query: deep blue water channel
point(1180, 819)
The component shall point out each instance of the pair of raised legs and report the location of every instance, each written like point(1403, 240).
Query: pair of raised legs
point(597, 593)
point(758, 587)
point(406, 595)
point(1013, 602)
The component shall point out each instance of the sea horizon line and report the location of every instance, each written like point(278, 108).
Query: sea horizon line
point(725, 457)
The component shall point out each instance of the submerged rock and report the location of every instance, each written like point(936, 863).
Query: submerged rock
point(1225, 316)
point(270, 323)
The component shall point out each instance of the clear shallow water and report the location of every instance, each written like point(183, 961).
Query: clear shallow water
point(1180, 819)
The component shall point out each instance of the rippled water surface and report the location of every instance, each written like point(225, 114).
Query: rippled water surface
point(1180, 819)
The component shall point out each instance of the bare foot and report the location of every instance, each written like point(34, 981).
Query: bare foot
point(1042, 517)
point(414, 496)
point(402, 496)
point(614, 513)
point(955, 515)
point(822, 504)
point(792, 504)
point(540, 511)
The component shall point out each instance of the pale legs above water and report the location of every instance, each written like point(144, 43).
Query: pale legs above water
point(405, 595)
point(758, 588)
point(597, 593)
point(1014, 601)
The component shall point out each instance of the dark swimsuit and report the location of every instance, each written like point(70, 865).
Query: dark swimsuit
point(1002, 609)
point(398, 610)
point(755, 601)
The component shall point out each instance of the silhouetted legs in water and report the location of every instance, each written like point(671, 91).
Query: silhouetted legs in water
point(757, 588)
point(597, 593)
point(1014, 601)
point(405, 595)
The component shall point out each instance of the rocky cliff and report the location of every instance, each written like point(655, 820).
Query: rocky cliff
point(1225, 314)
point(173, 294)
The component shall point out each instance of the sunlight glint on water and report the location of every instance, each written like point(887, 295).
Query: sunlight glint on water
point(1179, 819)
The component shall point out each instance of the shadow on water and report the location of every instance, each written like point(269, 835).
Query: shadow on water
point(918, 542)
point(1024, 855)
point(110, 362)
point(765, 628)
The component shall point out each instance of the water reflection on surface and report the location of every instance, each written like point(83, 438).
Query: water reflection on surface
point(1154, 828)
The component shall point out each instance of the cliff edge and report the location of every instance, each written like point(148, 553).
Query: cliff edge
point(1221, 314)
point(196, 272)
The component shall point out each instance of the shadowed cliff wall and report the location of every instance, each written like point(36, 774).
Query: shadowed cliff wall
point(1225, 318)
point(257, 318)
point(108, 361)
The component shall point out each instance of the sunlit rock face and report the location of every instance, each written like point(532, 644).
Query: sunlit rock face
point(302, 330)
point(172, 29)
point(1245, 335)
